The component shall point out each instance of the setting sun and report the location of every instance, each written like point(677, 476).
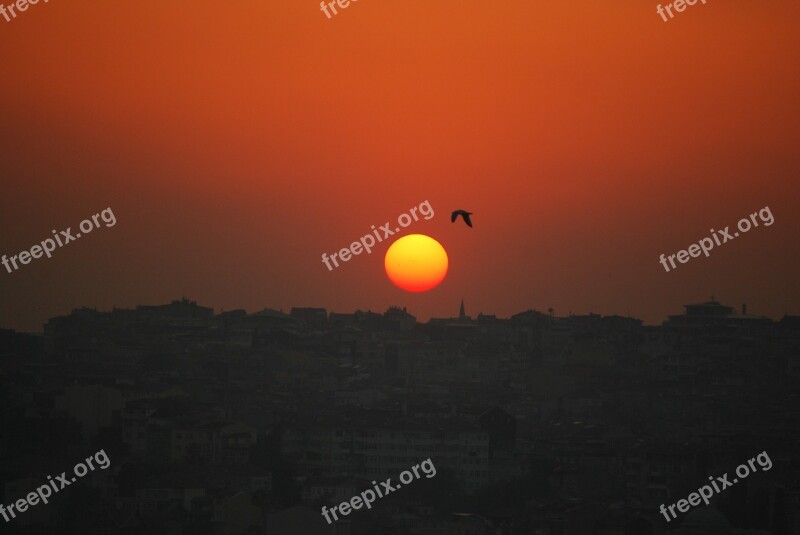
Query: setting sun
point(416, 263)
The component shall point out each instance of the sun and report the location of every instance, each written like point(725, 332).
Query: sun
point(416, 263)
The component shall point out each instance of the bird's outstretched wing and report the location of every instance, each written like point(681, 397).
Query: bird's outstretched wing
point(462, 213)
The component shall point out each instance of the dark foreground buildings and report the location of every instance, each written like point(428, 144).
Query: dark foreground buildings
point(250, 423)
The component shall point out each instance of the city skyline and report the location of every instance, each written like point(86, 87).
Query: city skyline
point(463, 312)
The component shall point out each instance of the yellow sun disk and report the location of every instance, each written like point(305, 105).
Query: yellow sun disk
point(416, 263)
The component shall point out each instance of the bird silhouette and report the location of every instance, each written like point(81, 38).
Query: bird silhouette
point(462, 213)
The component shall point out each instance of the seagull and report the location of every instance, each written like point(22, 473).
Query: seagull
point(462, 213)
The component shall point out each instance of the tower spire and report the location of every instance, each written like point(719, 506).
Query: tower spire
point(461, 313)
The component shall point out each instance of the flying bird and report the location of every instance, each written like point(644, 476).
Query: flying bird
point(462, 213)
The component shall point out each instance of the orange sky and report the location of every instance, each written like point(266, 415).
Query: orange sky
point(237, 142)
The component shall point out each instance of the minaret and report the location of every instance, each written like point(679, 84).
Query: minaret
point(461, 314)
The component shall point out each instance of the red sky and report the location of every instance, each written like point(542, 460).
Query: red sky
point(237, 142)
